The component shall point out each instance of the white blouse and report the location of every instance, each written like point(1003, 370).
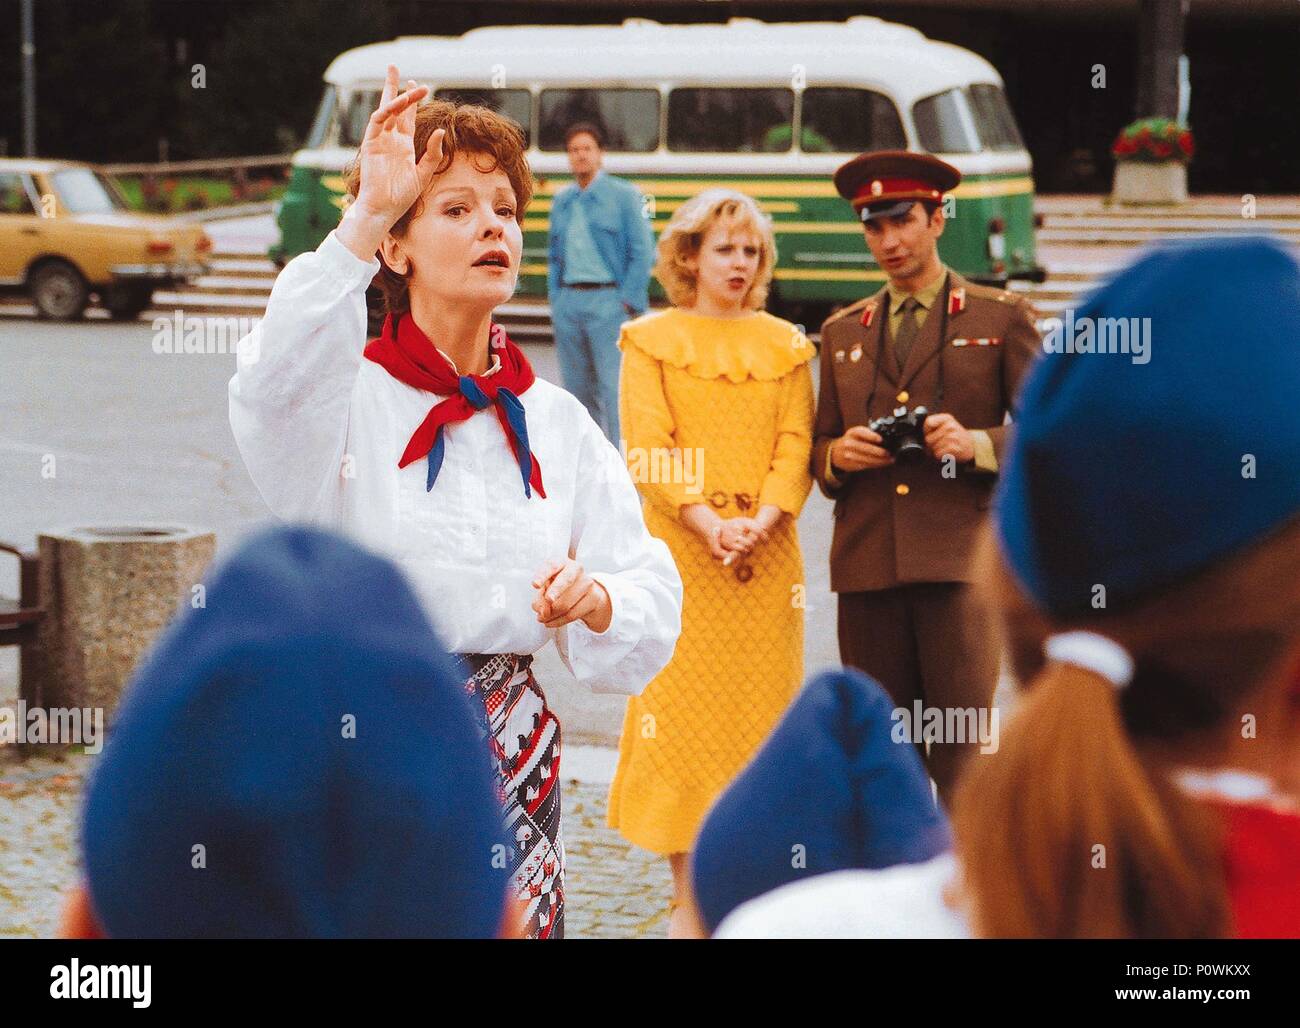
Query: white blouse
point(321, 430)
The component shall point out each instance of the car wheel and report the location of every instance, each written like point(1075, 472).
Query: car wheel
point(126, 303)
point(58, 291)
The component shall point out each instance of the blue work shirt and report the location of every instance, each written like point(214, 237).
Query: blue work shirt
point(612, 208)
point(582, 260)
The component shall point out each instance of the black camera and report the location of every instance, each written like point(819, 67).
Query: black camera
point(902, 433)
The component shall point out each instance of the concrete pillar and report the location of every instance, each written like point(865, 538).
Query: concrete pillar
point(1160, 44)
point(107, 591)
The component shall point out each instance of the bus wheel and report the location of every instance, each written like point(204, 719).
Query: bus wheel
point(58, 291)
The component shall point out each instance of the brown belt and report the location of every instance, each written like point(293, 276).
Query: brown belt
point(588, 285)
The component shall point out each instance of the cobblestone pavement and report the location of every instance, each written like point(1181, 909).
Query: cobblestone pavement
point(614, 890)
point(39, 802)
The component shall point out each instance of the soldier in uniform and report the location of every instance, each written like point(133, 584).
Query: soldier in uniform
point(905, 531)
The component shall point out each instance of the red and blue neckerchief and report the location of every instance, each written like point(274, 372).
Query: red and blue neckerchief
point(410, 357)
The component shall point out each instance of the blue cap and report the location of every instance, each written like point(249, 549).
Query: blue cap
point(1132, 472)
point(296, 759)
point(829, 790)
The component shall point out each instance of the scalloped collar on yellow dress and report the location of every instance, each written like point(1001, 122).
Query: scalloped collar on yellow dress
point(759, 345)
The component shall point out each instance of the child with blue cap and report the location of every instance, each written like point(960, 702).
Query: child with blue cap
point(833, 787)
point(1147, 569)
point(297, 758)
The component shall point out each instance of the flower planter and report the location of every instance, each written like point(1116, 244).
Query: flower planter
point(1138, 182)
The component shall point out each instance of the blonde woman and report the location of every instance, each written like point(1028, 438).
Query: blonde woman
point(716, 402)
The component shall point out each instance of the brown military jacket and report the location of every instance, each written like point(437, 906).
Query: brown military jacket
point(901, 523)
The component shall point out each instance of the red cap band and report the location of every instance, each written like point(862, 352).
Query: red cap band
point(879, 189)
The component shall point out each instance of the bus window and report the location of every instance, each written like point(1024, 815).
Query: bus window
point(940, 126)
point(845, 120)
point(352, 126)
point(324, 115)
point(515, 104)
point(730, 120)
point(993, 118)
point(629, 118)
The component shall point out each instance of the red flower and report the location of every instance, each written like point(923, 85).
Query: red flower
point(1162, 149)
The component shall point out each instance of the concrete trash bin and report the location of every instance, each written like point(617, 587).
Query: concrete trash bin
point(108, 591)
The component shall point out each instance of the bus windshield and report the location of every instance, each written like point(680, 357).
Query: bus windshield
point(994, 121)
point(352, 123)
point(967, 120)
point(324, 115)
point(940, 125)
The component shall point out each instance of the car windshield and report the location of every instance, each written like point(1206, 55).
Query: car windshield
point(82, 191)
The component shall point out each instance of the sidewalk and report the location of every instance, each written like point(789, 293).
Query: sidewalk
point(39, 804)
point(614, 890)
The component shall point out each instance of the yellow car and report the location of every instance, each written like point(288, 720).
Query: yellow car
point(66, 235)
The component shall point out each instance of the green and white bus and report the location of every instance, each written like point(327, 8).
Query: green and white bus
point(768, 109)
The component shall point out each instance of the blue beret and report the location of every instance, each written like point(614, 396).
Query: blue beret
point(235, 736)
point(1133, 470)
point(829, 786)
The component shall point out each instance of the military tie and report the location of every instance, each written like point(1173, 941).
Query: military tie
point(906, 334)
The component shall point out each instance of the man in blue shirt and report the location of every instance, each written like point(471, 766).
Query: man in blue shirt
point(601, 251)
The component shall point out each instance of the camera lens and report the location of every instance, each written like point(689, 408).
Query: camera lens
point(909, 451)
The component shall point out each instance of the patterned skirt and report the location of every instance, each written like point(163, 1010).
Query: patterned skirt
point(524, 736)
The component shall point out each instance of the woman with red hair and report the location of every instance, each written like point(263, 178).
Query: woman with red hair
point(513, 516)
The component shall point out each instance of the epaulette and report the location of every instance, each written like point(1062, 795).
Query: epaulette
point(844, 312)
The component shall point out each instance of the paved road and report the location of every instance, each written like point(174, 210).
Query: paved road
point(139, 436)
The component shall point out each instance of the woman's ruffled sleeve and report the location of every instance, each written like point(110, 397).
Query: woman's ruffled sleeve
point(611, 542)
point(293, 382)
point(647, 423)
point(788, 481)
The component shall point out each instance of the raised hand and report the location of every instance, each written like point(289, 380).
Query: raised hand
point(391, 177)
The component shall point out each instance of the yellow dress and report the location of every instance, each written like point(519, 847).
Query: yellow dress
point(735, 397)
